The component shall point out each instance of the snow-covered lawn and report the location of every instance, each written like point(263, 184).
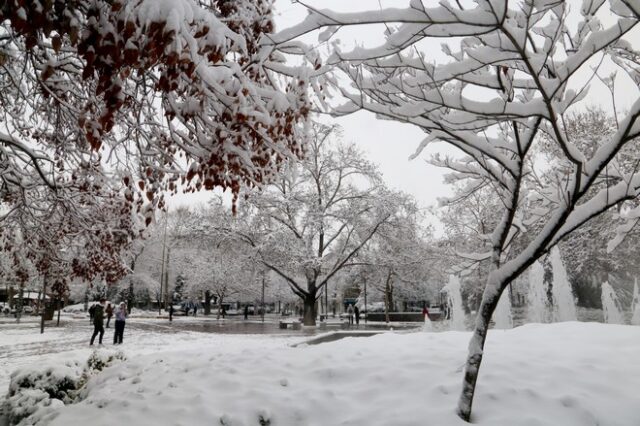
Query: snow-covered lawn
point(560, 374)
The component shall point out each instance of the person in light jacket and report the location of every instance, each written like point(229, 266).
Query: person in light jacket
point(121, 317)
point(350, 313)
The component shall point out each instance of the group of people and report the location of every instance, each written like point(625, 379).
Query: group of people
point(353, 312)
point(98, 311)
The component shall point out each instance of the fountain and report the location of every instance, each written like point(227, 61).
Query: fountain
point(564, 305)
point(455, 304)
point(537, 310)
point(610, 304)
point(635, 305)
point(502, 316)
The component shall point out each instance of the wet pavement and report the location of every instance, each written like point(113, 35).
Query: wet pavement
point(204, 324)
point(240, 326)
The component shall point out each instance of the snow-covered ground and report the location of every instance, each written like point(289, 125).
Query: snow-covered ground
point(557, 374)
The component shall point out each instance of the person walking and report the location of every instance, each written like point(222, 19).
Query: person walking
point(109, 312)
point(356, 312)
point(121, 316)
point(98, 322)
point(350, 313)
point(425, 312)
point(171, 313)
point(246, 312)
point(195, 309)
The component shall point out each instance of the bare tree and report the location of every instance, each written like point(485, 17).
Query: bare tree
point(400, 260)
point(514, 72)
point(317, 216)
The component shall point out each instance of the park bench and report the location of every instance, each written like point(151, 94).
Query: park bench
point(294, 325)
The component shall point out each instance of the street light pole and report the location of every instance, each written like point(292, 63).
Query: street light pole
point(43, 306)
point(164, 250)
point(167, 299)
point(262, 300)
point(365, 301)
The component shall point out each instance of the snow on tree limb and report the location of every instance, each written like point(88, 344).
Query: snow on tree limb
point(508, 85)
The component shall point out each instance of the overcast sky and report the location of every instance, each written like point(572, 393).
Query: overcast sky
point(387, 143)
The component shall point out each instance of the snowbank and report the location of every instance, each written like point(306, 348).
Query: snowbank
point(570, 374)
point(36, 393)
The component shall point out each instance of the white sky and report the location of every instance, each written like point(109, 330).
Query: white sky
point(388, 143)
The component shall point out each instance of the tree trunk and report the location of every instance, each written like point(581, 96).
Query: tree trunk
point(220, 298)
point(20, 303)
point(386, 307)
point(43, 306)
point(387, 297)
point(131, 299)
point(59, 309)
point(207, 302)
point(309, 311)
point(490, 298)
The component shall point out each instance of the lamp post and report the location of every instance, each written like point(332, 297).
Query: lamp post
point(43, 305)
point(167, 299)
point(262, 298)
point(162, 271)
point(366, 310)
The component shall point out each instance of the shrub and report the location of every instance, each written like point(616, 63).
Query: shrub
point(35, 395)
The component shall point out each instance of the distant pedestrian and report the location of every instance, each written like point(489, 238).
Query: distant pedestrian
point(356, 312)
point(92, 313)
point(350, 313)
point(121, 316)
point(109, 312)
point(195, 309)
point(425, 312)
point(246, 311)
point(98, 321)
point(170, 313)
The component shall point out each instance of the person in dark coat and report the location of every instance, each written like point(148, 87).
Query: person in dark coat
point(98, 322)
point(195, 309)
point(246, 311)
point(121, 316)
point(170, 313)
point(109, 312)
point(356, 312)
point(92, 312)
